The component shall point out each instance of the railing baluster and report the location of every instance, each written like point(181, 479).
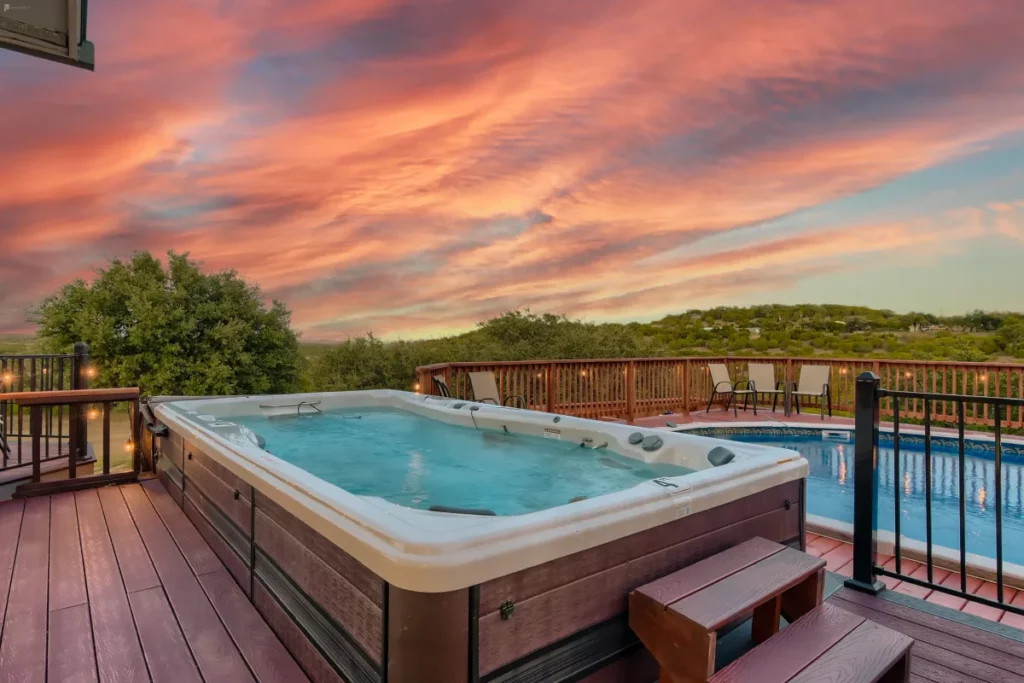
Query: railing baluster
point(928, 482)
point(896, 480)
point(106, 438)
point(961, 466)
point(999, 505)
point(35, 426)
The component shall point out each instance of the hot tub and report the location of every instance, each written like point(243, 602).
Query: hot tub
point(558, 519)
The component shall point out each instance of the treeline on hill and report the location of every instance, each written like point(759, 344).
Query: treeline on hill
point(840, 331)
point(172, 329)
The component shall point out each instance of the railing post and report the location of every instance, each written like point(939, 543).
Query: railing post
point(787, 389)
point(80, 380)
point(865, 485)
point(35, 422)
point(630, 391)
point(552, 385)
point(686, 386)
point(137, 437)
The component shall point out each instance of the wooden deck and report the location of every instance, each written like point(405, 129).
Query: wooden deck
point(950, 646)
point(838, 556)
point(116, 585)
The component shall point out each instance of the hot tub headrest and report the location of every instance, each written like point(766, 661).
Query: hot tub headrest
point(635, 438)
point(720, 455)
point(652, 443)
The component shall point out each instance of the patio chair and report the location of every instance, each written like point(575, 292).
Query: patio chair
point(442, 386)
point(485, 390)
point(815, 382)
point(722, 385)
point(762, 381)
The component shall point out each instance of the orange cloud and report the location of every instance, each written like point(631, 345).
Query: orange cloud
point(414, 166)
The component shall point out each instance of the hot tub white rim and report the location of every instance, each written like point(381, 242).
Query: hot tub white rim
point(467, 550)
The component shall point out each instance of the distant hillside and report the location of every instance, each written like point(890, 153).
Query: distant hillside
point(840, 330)
point(18, 343)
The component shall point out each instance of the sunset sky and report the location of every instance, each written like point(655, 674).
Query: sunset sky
point(414, 166)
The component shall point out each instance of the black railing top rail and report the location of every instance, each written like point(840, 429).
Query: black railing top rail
point(36, 356)
point(954, 398)
point(866, 495)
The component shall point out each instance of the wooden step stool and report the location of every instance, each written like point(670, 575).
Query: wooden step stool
point(678, 616)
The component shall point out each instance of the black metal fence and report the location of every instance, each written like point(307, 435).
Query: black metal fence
point(866, 569)
point(42, 373)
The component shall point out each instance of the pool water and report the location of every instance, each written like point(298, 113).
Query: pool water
point(830, 492)
point(418, 462)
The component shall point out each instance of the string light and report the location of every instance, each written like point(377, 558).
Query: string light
point(129, 446)
point(416, 387)
point(583, 373)
point(90, 372)
point(8, 378)
point(93, 413)
point(984, 378)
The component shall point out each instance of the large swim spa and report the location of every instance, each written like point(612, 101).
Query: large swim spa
point(389, 536)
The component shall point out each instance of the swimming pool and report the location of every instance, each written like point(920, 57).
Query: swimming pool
point(327, 526)
point(830, 484)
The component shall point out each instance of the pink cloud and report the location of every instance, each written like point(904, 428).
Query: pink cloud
point(418, 166)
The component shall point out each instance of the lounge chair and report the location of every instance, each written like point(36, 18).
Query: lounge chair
point(442, 386)
point(815, 382)
point(722, 385)
point(762, 381)
point(485, 390)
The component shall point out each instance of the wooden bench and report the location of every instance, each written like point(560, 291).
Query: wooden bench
point(678, 618)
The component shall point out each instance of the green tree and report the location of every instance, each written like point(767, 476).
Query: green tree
point(174, 330)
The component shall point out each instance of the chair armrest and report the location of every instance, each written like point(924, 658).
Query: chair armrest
point(489, 401)
point(517, 397)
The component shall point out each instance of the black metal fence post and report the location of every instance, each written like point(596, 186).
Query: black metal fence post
point(865, 485)
point(80, 380)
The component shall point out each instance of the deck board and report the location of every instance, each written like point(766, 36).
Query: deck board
point(949, 646)
point(95, 586)
point(67, 577)
point(118, 651)
point(197, 553)
point(23, 650)
point(69, 650)
point(132, 557)
point(215, 652)
point(167, 654)
point(10, 530)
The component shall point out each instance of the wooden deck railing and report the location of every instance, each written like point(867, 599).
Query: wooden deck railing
point(80, 405)
point(639, 387)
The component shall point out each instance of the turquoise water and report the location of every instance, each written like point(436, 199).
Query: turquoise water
point(417, 462)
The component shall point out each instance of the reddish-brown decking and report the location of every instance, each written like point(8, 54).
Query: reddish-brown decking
point(117, 585)
point(838, 556)
point(944, 650)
